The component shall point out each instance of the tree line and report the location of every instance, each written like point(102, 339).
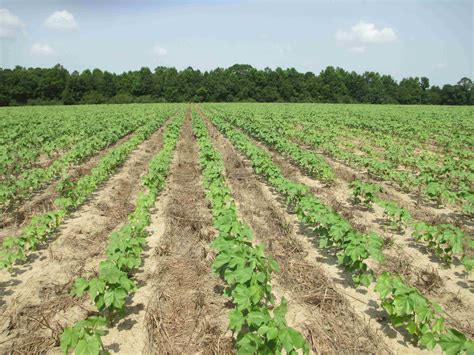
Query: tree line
point(37, 86)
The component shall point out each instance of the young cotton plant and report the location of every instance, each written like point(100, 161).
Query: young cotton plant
point(74, 193)
point(111, 288)
point(84, 337)
point(409, 309)
point(447, 241)
point(36, 232)
point(399, 217)
point(352, 248)
point(244, 267)
point(437, 191)
point(364, 192)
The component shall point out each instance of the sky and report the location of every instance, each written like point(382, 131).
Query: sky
point(401, 38)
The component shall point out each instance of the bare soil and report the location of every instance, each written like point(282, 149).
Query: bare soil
point(35, 304)
point(418, 208)
point(451, 287)
point(317, 306)
point(186, 312)
point(42, 201)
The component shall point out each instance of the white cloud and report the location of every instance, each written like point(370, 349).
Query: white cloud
point(9, 24)
point(264, 36)
point(43, 49)
point(357, 49)
point(366, 32)
point(61, 20)
point(158, 51)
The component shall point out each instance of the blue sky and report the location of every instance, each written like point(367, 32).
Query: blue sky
point(401, 38)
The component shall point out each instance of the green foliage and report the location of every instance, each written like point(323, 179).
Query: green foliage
point(409, 309)
point(84, 337)
point(468, 207)
point(73, 194)
point(381, 140)
point(79, 136)
point(36, 232)
point(111, 288)
point(399, 217)
point(239, 82)
point(311, 162)
point(244, 267)
point(445, 240)
point(438, 191)
point(364, 192)
point(405, 305)
point(351, 247)
point(282, 127)
point(109, 291)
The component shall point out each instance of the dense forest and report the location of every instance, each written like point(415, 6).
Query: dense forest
point(35, 86)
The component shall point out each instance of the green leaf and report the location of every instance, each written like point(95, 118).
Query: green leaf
point(257, 318)
point(468, 263)
point(248, 344)
point(236, 320)
point(80, 286)
point(109, 272)
point(428, 340)
point(115, 298)
point(402, 305)
point(68, 340)
point(243, 275)
point(469, 346)
point(280, 312)
point(365, 279)
point(96, 287)
point(411, 327)
point(272, 333)
point(88, 346)
point(297, 338)
point(452, 342)
point(384, 285)
point(438, 326)
point(285, 339)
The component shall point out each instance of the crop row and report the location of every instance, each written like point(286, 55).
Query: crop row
point(31, 180)
point(449, 183)
point(405, 305)
point(113, 285)
point(42, 226)
point(311, 162)
point(244, 266)
point(28, 134)
point(400, 154)
point(446, 182)
point(445, 240)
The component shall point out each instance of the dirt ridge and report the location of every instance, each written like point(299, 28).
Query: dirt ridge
point(35, 303)
point(452, 287)
point(187, 313)
point(318, 306)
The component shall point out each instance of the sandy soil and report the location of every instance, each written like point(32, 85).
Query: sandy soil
point(35, 303)
point(186, 312)
point(318, 306)
point(419, 209)
point(451, 287)
point(42, 201)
